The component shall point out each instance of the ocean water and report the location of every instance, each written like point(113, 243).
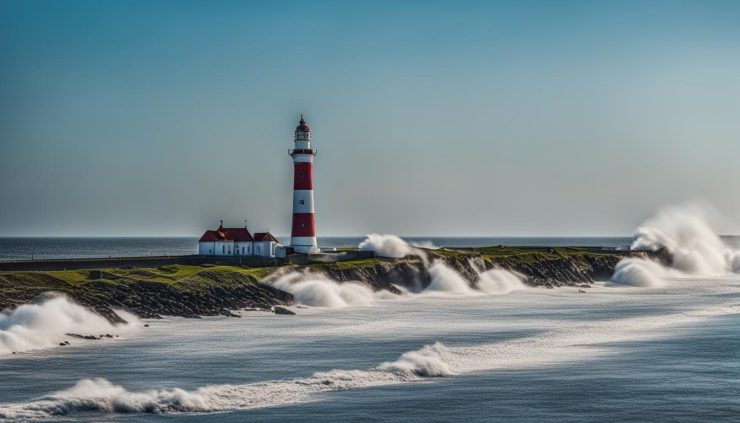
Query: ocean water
point(51, 248)
point(612, 354)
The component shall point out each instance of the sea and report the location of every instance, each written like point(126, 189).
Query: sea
point(609, 353)
point(56, 248)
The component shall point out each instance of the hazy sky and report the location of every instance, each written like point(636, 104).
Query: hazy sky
point(430, 118)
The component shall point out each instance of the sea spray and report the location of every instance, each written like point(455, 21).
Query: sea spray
point(446, 280)
point(318, 292)
point(386, 246)
point(426, 362)
point(500, 281)
point(45, 324)
point(640, 272)
point(686, 233)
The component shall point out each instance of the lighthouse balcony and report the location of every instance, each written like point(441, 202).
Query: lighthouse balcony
point(302, 151)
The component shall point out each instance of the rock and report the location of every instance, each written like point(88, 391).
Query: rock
point(580, 291)
point(146, 326)
point(62, 344)
point(282, 310)
point(228, 313)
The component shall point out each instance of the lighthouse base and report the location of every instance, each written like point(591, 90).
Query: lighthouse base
point(305, 245)
point(305, 249)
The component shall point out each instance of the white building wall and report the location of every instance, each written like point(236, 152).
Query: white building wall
point(224, 248)
point(244, 249)
point(206, 248)
point(265, 248)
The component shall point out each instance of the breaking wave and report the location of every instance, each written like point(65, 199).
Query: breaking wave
point(103, 396)
point(317, 291)
point(44, 324)
point(446, 280)
point(324, 292)
point(500, 281)
point(556, 342)
point(640, 272)
point(686, 233)
point(387, 246)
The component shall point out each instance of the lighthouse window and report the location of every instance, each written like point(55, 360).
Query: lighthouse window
point(303, 224)
point(301, 174)
point(302, 202)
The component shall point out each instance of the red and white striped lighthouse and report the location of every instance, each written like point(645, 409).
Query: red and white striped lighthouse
point(303, 234)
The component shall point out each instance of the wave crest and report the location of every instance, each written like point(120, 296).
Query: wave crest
point(101, 395)
point(44, 324)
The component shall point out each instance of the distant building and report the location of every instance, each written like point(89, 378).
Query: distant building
point(238, 242)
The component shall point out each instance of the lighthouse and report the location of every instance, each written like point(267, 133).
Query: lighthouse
point(303, 233)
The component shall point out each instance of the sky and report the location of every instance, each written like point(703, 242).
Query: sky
point(439, 118)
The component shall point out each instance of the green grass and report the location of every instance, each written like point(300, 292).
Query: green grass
point(179, 276)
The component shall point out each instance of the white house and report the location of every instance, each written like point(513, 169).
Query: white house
point(237, 242)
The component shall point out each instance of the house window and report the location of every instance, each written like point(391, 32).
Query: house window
point(242, 250)
point(223, 249)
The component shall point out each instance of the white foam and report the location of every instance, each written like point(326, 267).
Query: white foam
point(500, 281)
point(446, 280)
point(426, 362)
point(385, 245)
point(640, 272)
point(101, 395)
point(557, 342)
point(686, 233)
point(44, 324)
point(324, 292)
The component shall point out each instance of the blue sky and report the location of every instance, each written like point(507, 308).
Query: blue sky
point(431, 118)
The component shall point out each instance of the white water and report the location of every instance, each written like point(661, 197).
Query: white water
point(387, 246)
point(323, 292)
point(556, 341)
point(556, 327)
point(687, 234)
point(46, 323)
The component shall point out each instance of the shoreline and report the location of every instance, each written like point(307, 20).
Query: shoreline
point(179, 286)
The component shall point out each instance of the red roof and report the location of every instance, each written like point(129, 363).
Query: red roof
point(264, 236)
point(302, 125)
point(227, 234)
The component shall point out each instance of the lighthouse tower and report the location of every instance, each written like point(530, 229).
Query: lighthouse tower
point(303, 234)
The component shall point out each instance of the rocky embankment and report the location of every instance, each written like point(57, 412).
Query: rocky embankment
point(192, 291)
point(540, 267)
point(187, 291)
